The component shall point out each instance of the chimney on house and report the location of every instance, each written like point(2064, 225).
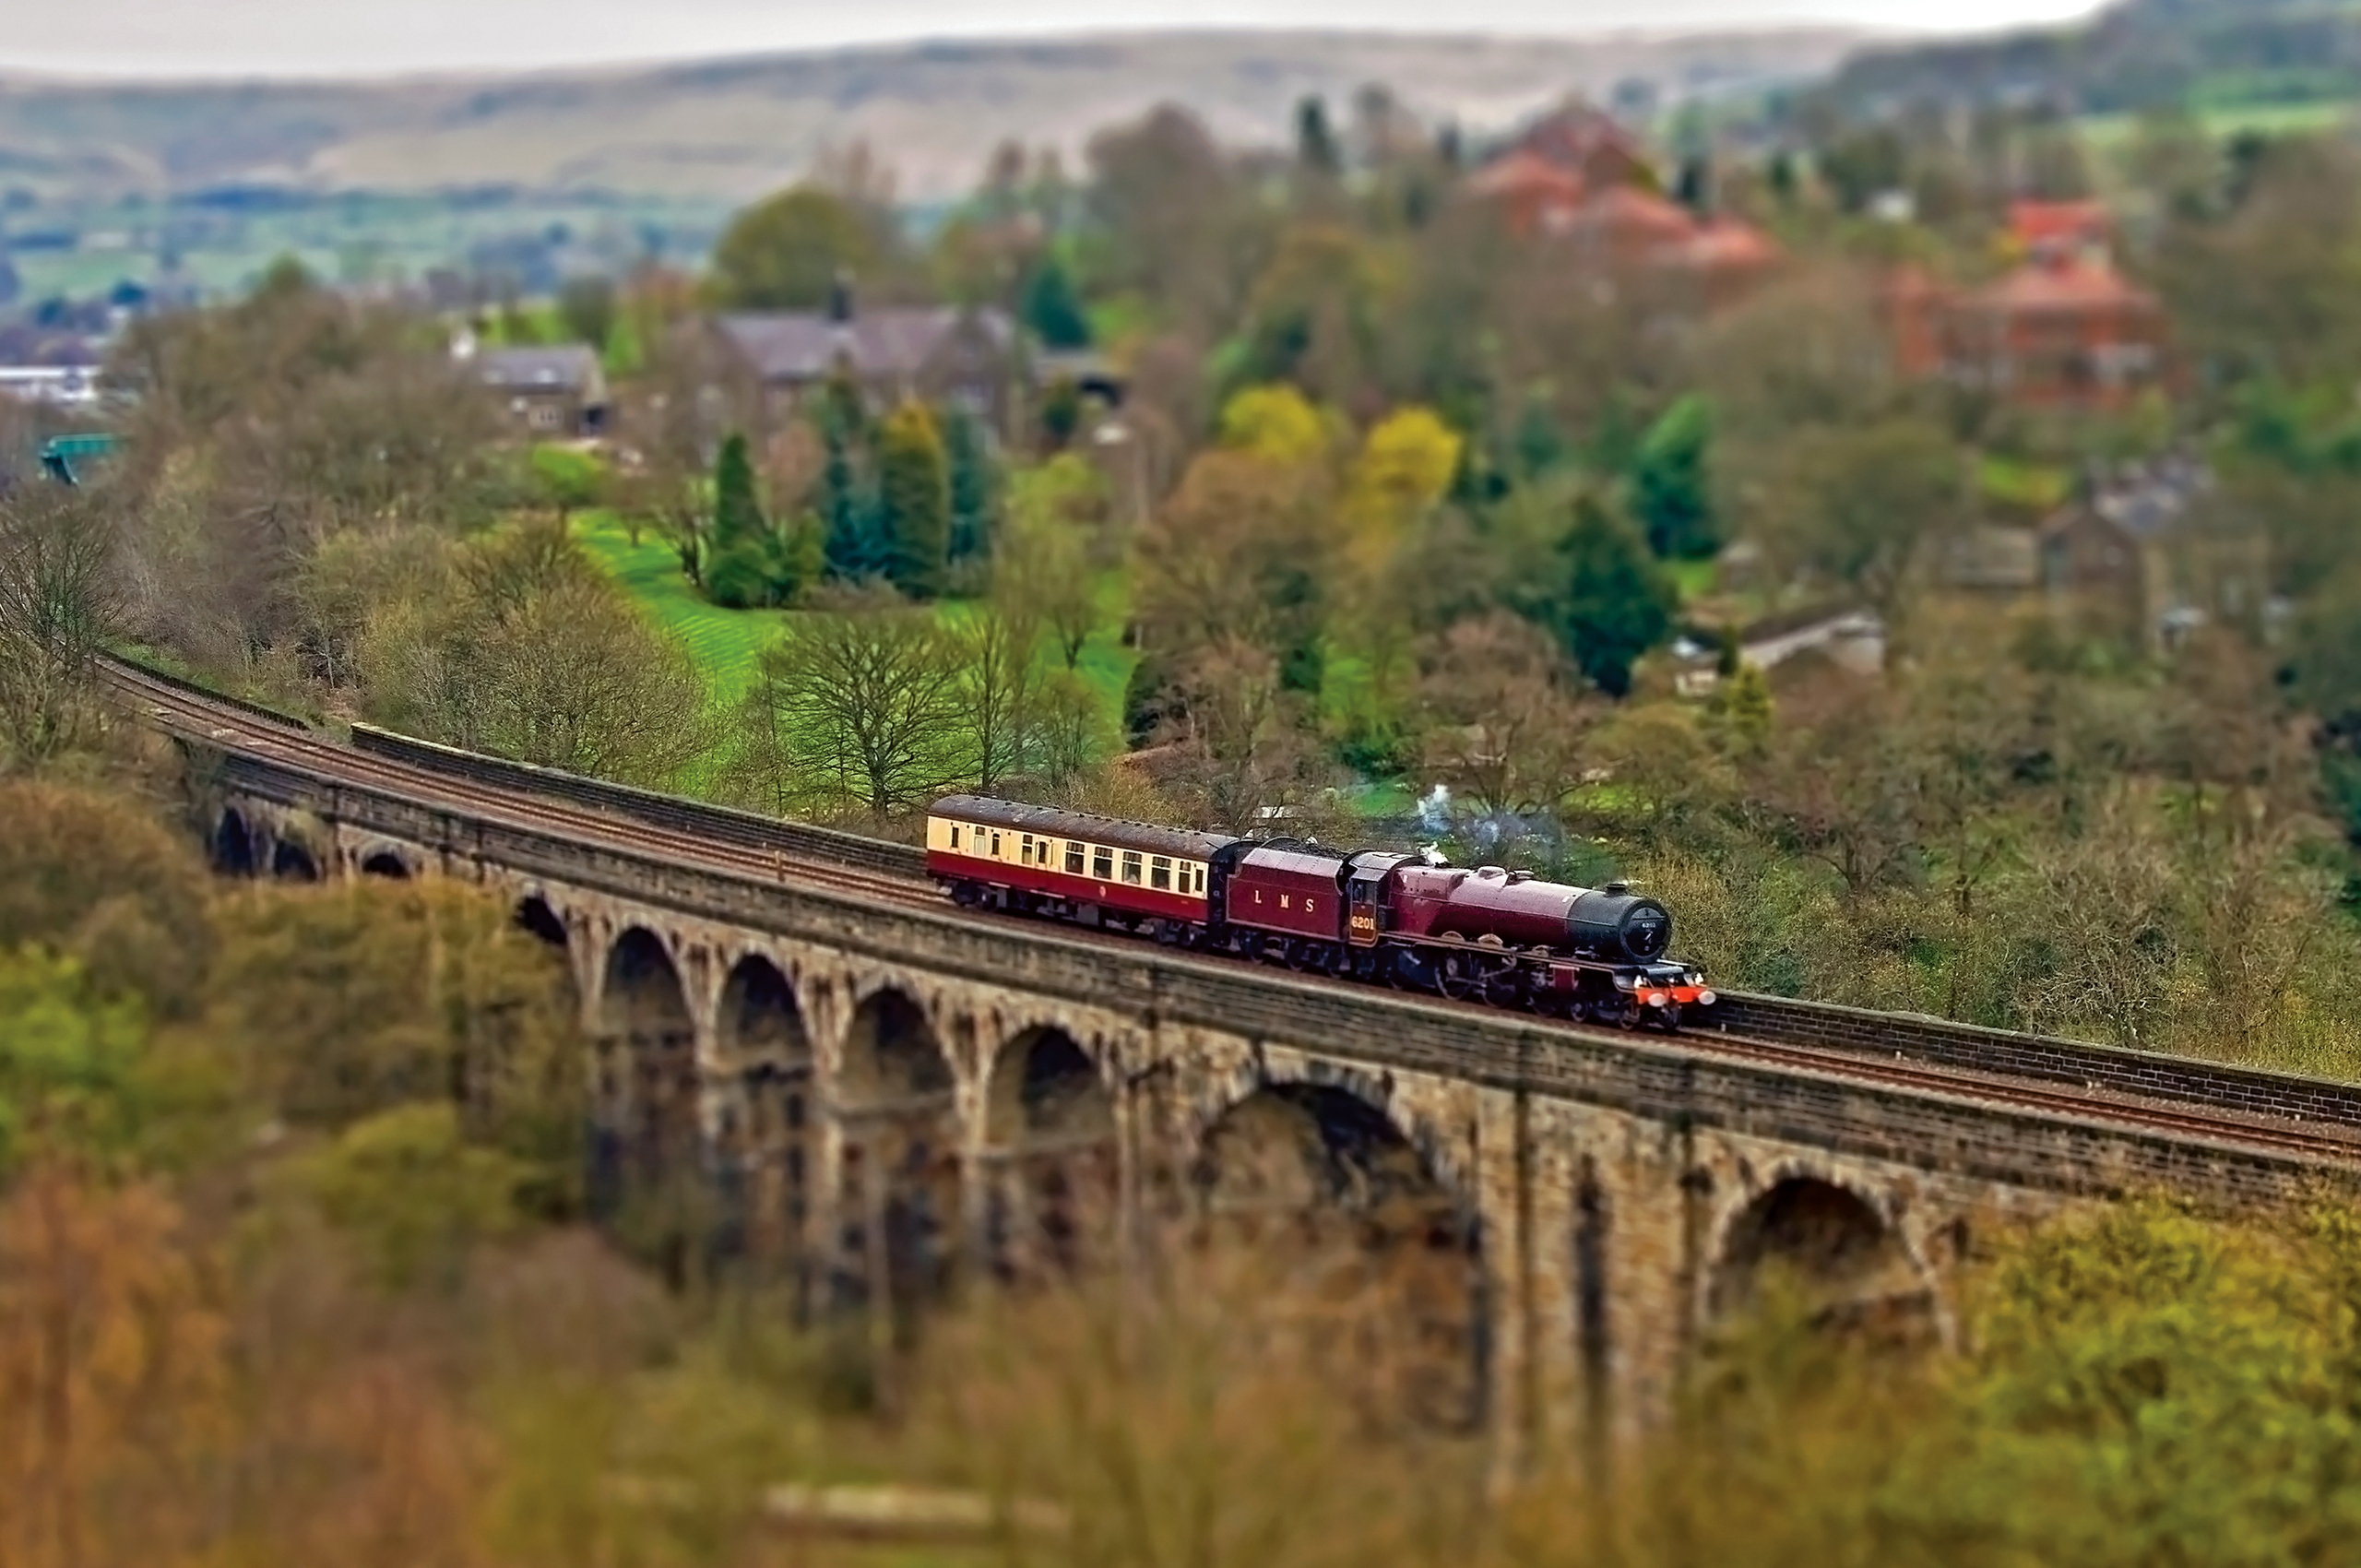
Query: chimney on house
point(840, 297)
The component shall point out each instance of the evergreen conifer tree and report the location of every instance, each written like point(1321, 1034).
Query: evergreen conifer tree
point(1613, 602)
point(1052, 307)
point(974, 485)
point(914, 500)
point(737, 511)
point(1671, 493)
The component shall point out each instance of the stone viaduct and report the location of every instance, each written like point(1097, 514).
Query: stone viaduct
point(876, 1090)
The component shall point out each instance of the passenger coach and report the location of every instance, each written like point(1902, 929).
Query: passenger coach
point(1093, 869)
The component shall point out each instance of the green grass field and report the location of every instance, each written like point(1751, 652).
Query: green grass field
point(726, 643)
point(2108, 132)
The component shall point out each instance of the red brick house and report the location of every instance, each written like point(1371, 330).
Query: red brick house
point(1588, 144)
point(1577, 180)
point(1532, 194)
point(2061, 331)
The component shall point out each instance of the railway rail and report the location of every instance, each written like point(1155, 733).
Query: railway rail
point(2087, 1085)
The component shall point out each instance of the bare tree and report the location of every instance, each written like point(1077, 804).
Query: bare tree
point(861, 703)
point(1508, 717)
point(59, 602)
point(525, 649)
point(996, 646)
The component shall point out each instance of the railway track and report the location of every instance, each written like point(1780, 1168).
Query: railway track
point(200, 716)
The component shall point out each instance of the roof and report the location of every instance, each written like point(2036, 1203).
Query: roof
point(2047, 287)
point(1049, 822)
point(2035, 223)
point(571, 367)
point(1622, 210)
point(887, 342)
point(1571, 135)
point(1728, 244)
point(2145, 504)
point(1523, 173)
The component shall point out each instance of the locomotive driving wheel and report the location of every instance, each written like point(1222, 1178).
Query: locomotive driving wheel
point(1458, 975)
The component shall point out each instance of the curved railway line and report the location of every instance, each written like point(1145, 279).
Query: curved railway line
point(2330, 1140)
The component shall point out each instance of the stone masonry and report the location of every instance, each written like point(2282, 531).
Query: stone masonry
point(881, 1097)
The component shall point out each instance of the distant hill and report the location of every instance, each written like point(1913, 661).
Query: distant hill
point(730, 129)
point(2138, 55)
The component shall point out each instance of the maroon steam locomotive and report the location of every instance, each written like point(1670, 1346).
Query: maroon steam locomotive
point(1491, 934)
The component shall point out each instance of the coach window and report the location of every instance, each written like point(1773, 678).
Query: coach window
point(1025, 855)
point(1102, 862)
point(995, 846)
point(1131, 867)
point(1159, 872)
point(1201, 879)
point(1074, 858)
point(955, 835)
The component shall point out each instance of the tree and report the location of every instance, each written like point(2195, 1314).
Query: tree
point(975, 485)
point(1241, 554)
point(1045, 557)
point(1315, 143)
point(1404, 470)
point(737, 510)
point(588, 307)
point(95, 879)
point(792, 251)
point(539, 657)
point(1854, 505)
point(853, 528)
point(1049, 304)
point(1506, 724)
point(364, 997)
point(567, 480)
point(1671, 494)
point(1061, 413)
point(1171, 214)
point(859, 704)
point(914, 500)
point(996, 646)
point(1611, 602)
point(1276, 423)
point(58, 604)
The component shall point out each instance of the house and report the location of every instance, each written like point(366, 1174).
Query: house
point(1589, 144)
point(1532, 194)
point(550, 393)
point(2060, 228)
point(2063, 330)
point(1990, 560)
point(2137, 558)
point(779, 361)
point(1577, 179)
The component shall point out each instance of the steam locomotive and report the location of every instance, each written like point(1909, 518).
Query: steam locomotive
point(1403, 920)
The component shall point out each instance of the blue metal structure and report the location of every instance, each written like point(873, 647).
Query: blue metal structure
point(60, 456)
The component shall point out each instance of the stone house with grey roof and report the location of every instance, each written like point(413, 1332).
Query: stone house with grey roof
point(2146, 557)
point(548, 393)
point(777, 361)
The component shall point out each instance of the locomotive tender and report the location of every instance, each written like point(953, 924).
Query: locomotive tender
point(1491, 934)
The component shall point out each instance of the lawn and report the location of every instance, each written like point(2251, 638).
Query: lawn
point(2222, 120)
point(725, 644)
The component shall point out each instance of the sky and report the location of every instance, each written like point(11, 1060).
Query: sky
point(367, 37)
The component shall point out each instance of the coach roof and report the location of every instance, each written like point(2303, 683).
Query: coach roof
point(1048, 822)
